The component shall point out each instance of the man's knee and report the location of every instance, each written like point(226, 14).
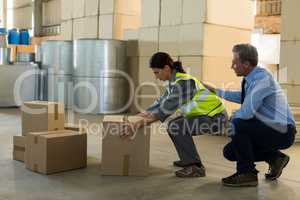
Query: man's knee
point(228, 152)
point(240, 125)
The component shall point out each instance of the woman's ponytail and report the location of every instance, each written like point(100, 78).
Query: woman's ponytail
point(178, 67)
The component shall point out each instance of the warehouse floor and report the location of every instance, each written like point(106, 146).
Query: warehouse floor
point(18, 183)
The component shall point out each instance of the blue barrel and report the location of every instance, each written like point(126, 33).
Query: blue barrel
point(3, 31)
point(13, 36)
point(24, 37)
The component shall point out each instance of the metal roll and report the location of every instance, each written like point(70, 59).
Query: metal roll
point(57, 57)
point(97, 58)
point(100, 95)
point(60, 89)
point(18, 83)
point(4, 56)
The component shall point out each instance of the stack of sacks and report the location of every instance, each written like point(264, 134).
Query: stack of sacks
point(46, 145)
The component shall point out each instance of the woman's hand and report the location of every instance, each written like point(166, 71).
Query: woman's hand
point(129, 129)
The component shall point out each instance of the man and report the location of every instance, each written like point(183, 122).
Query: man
point(262, 126)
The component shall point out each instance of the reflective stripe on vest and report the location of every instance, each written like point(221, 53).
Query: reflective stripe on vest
point(204, 102)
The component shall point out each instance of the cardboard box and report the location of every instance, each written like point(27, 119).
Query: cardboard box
point(86, 27)
point(112, 26)
point(210, 40)
point(121, 157)
point(39, 40)
point(19, 148)
point(296, 113)
point(210, 73)
point(20, 3)
point(23, 17)
point(289, 62)
point(78, 8)
point(150, 13)
point(171, 12)
point(124, 7)
point(67, 30)
point(148, 41)
point(292, 92)
point(131, 34)
point(91, 7)
point(51, 13)
point(224, 13)
point(193, 11)
point(76, 127)
point(42, 116)
point(169, 39)
point(66, 9)
point(56, 151)
point(289, 20)
point(219, 12)
point(127, 7)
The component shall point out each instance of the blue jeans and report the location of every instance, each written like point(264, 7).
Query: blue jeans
point(254, 141)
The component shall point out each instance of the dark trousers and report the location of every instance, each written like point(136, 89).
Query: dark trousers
point(254, 141)
point(181, 131)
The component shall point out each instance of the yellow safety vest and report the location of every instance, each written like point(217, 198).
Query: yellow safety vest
point(204, 101)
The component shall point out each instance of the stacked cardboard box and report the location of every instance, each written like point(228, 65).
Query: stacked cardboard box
point(104, 19)
point(55, 151)
point(48, 145)
point(200, 33)
point(42, 116)
point(23, 17)
point(51, 13)
point(124, 157)
point(289, 58)
point(19, 148)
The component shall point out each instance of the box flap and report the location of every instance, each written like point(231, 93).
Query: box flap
point(114, 118)
point(65, 134)
point(19, 141)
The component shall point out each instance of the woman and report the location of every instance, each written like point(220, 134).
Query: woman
point(198, 111)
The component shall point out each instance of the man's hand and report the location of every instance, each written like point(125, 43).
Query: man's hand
point(209, 87)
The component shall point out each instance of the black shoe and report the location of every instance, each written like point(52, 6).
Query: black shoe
point(241, 180)
point(276, 167)
point(180, 163)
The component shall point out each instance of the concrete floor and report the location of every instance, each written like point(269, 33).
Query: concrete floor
point(16, 182)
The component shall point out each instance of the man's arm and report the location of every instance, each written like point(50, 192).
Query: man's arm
point(258, 91)
point(233, 96)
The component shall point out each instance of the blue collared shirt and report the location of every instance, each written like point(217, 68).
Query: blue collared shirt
point(264, 100)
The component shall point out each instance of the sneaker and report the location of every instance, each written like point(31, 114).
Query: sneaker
point(241, 180)
point(179, 163)
point(276, 167)
point(191, 171)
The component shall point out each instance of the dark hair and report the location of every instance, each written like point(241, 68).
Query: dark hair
point(247, 53)
point(160, 59)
